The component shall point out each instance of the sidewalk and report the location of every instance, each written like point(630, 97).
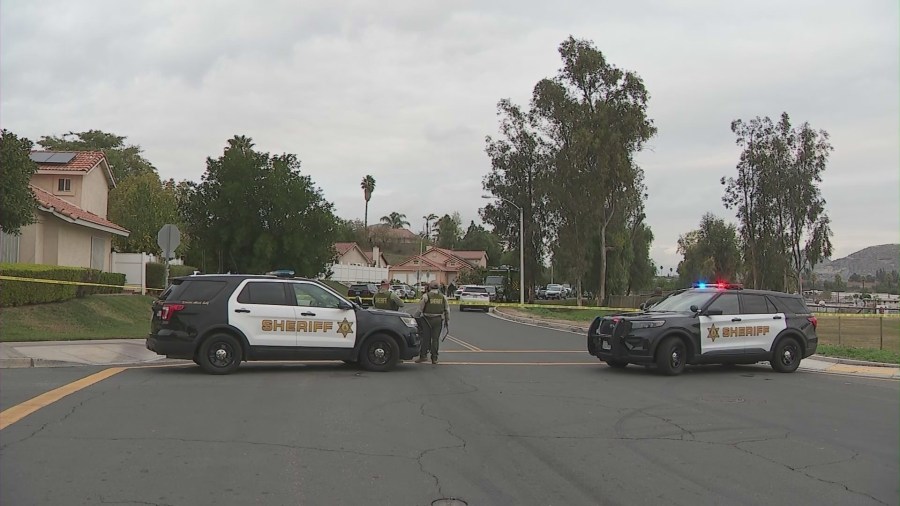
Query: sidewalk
point(816, 363)
point(69, 353)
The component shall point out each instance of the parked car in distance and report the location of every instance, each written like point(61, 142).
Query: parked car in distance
point(554, 291)
point(364, 291)
point(492, 292)
point(474, 297)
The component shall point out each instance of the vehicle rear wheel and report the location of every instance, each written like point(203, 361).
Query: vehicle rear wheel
point(787, 355)
point(617, 364)
point(220, 354)
point(380, 353)
point(671, 356)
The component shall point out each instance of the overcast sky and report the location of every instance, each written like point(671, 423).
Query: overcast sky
point(407, 90)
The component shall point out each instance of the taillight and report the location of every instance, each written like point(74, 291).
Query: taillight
point(814, 321)
point(169, 310)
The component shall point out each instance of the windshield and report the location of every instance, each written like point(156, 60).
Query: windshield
point(683, 301)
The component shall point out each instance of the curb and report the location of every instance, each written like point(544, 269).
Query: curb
point(539, 322)
point(850, 361)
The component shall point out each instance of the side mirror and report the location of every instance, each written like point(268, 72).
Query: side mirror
point(694, 308)
point(344, 306)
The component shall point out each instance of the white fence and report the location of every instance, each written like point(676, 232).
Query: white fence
point(134, 267)
point(358, 273)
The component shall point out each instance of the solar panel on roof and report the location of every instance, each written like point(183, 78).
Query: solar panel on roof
point(40, 156)
point(61, 158)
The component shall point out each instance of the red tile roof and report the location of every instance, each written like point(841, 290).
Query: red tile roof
point(83, 161)
point(343, 247)
point(474, 255)
point(52, 203)
point(407, 265)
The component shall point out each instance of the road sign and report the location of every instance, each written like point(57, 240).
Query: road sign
point(168, 238)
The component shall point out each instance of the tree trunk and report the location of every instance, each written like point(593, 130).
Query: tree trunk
point(578, 289)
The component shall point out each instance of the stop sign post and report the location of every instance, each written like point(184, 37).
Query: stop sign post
point(168, 238)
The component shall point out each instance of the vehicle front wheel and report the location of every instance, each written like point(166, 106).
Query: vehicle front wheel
point(220, 354)
point(671, 356)
point(787, 355)
point(380, 353)
point(617, 364)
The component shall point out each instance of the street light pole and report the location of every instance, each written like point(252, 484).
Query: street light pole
point(521, 246)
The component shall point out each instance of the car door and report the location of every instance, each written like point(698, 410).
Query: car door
point(716, 330)
point(321, 323)
point(762, 320)
point(262, 310)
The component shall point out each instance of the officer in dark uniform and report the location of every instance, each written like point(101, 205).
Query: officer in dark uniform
point(386, 298)
point(435, 311)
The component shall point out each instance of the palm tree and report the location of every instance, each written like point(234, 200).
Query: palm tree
point(395, 220)
point(428, 219)
point(368, 186)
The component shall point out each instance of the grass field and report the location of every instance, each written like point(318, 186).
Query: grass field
point(93, 317)
point(884, 356)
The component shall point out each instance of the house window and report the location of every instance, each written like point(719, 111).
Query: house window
point(64, 185)
point(98, 253)
point(9, 247)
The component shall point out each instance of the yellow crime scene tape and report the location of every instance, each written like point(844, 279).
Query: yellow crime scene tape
point(76, 283)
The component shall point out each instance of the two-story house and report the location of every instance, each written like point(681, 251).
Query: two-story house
point(71, 228)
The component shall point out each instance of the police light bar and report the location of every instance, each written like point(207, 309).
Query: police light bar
point(282, 273)
point(719, 286)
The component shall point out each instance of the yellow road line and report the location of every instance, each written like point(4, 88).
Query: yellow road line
point(463, 343)
point(14, 414)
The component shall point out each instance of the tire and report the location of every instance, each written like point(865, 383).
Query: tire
point(380, 353)
point(617, 364)
point(787, 355)
point(220, 354)
point(671, 356)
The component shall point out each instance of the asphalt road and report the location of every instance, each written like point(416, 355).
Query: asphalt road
point(540, 423)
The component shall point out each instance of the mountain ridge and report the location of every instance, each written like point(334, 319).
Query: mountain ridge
point(863, 262)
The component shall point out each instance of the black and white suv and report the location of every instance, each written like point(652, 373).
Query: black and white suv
point(218, 321)
point(719, 324)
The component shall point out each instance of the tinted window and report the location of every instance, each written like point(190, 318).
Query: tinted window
point(263, 293)
point(200, 290)
point(754, 304)
point(475, 289)
point(793, 305)
point(727, 302)
point(313, 296)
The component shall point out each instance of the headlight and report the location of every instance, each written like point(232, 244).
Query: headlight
point(647, 324)
point(409, 321)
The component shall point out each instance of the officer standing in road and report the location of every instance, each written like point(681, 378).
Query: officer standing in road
point(435, 312)
point(387, 298)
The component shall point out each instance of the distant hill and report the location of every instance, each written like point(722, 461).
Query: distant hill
point(864, 262)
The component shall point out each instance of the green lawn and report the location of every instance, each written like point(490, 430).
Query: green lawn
point(872, 355)
point(93, 317)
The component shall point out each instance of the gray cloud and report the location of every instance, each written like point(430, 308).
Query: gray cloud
point(406, 90)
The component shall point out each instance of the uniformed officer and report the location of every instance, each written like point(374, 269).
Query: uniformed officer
point(386, 298)
point(655, 299)
point(435, 312)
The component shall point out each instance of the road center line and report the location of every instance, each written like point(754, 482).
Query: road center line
point(460, 342)
point(12, 415)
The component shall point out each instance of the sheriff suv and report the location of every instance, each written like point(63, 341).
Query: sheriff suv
point(716, 324)
point(219, 321)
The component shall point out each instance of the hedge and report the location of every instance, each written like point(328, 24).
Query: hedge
point(20, 293)
point(156, 273)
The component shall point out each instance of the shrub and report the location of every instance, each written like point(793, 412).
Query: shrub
point(156, 273)
point(20, 293)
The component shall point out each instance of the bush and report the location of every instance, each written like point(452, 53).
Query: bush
point(20, 293)
point(156, 273)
